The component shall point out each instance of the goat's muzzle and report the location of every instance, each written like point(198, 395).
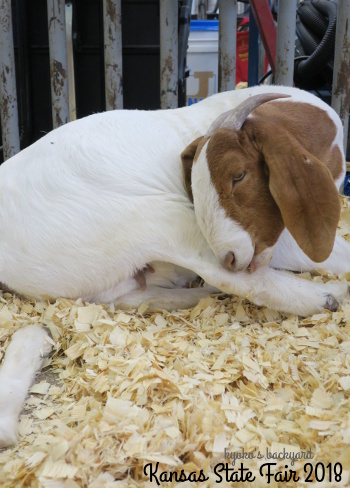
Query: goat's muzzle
point(230, 260)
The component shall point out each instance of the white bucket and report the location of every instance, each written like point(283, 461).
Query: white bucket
point(202, 59)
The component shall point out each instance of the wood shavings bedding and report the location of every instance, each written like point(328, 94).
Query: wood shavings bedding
point(127, 389)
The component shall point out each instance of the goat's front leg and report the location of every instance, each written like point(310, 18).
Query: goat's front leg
point(268, 287)
point(275, 289)
point(288, 255)
point(23, 359)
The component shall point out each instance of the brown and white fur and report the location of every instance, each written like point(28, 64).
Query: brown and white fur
point(280, 169)
point(92, 203)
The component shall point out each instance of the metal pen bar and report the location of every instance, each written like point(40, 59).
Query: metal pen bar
point(341, 69)
point(261, 66)
point(285, 42)
point(184, 32)
point(58, 62)
point(253, 52)
point(8, 92)
point(266, 27)
point(112, 30)
point(227, 44)
point(202, 9)
point(70, 60)
point(168, 54)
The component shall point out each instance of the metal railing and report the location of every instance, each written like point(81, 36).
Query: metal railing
point(227, 45)
point(56, 16)
point(8, 92)
point(112, 33)
point(168, 54)
point(341, 69)
point(60, 68)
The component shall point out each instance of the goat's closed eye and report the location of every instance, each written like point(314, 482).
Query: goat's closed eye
point(239, 176)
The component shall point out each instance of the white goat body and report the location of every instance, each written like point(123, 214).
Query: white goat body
point(92, 202)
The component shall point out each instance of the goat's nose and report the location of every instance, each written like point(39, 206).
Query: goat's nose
point(230, 260)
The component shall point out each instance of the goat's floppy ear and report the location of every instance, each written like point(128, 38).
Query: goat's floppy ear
point(187, 157)
point(304, 191)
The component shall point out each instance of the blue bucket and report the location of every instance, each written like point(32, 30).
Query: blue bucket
point(347, 185)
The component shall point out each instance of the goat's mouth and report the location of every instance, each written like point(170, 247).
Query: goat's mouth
point(258, 261)
point(261, 260)
point(252, 266)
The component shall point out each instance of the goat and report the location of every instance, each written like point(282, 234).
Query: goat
point(86, 208)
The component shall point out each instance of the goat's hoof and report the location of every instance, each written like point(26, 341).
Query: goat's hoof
point(331, 304)
point(48, 332)
point(47, 346)
point(29, 343)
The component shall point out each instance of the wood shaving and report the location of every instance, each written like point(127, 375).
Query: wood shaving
point(124, 389)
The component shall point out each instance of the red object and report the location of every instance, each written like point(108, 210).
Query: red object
point(243, 50)
point(242, 56)
point(267, 28)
